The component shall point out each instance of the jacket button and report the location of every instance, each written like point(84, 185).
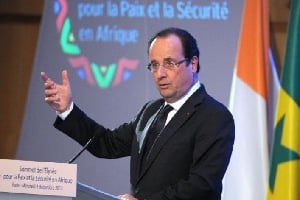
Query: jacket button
point(136, 190)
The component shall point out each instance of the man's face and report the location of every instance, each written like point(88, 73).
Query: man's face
point(172, 84)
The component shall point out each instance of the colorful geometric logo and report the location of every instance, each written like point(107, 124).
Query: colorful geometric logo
point(103, 76)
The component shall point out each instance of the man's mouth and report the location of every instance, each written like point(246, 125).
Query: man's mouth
point(163, 85)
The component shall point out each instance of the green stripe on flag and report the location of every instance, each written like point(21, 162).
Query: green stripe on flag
point(291, 67)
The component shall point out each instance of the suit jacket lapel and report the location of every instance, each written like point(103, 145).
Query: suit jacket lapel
point(138, 150)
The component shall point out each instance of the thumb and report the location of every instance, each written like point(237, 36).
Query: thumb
point(65, 78)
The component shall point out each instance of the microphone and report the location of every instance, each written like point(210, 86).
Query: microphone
point(84, 147)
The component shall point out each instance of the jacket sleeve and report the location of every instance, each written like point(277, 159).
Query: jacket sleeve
point(107, 144)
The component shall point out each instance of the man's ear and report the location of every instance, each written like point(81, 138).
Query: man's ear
point(194, 63)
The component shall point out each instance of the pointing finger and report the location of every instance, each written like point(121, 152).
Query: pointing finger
point(65, 78)
point(44, 76)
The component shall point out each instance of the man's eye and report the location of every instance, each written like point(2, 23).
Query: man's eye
point(155, 65)
point(169, 63)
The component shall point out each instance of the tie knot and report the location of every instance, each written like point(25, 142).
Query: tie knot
point(166, 109)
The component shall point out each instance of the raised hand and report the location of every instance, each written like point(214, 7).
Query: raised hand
point(58, 96)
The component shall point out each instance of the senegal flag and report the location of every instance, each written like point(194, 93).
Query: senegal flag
point(284, 179)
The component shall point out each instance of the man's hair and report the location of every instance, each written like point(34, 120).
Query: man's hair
point(188, 42)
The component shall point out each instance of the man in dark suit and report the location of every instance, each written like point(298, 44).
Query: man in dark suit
point(188, 156)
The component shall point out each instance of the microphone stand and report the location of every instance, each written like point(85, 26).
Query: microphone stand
point(84, 148)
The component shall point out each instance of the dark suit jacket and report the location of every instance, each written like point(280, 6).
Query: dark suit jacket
point(188, 161)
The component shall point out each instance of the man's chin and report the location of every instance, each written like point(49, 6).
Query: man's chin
point(167, 96)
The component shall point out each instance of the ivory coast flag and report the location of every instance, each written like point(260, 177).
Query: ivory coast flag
point(284, 180)
point(247, 174)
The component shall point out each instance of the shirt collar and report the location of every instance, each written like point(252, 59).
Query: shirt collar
point(177, 105)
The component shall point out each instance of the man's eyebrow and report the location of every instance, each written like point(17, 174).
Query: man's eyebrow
point(153, 61)
point(165, 59)
point(169, 59)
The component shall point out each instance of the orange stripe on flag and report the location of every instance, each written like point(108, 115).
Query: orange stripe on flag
point(252, 61)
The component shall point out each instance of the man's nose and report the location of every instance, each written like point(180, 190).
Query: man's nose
point(161, 71)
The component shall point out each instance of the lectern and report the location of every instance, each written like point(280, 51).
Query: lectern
point(31, 180)
point(85, 192)
point(15, 196)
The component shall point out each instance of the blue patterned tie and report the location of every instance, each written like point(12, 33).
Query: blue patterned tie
point(156, 128)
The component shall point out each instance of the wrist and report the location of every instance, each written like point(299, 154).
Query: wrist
point(63, 115)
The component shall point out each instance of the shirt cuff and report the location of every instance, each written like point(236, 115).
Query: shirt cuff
point(65, 114)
